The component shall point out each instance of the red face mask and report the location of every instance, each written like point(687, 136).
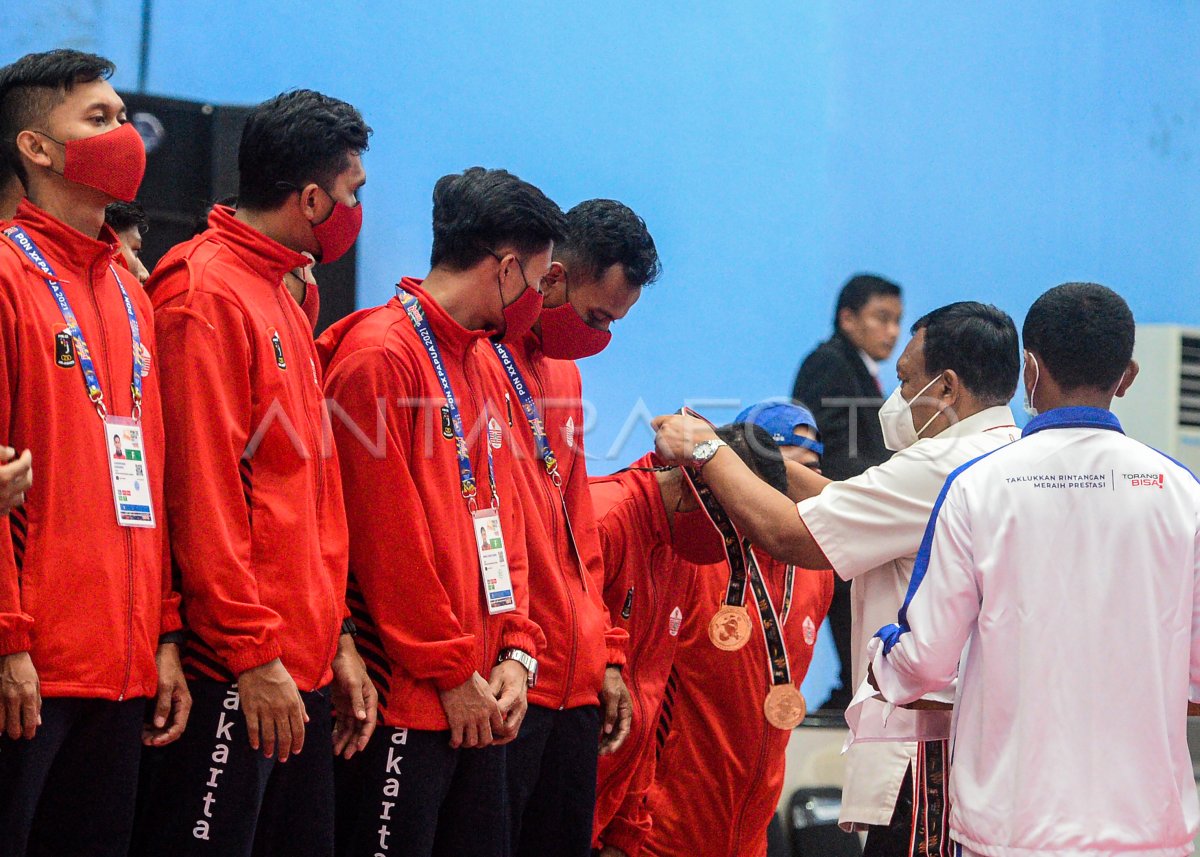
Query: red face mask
point(113, 163)
point(312, 304)
point(337, 233)
point(694, 536)
point(566, 336)
point(521, 314)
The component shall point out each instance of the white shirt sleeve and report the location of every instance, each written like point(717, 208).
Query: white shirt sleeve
point(1194, 691)
point(876, 517)
point(920, 654)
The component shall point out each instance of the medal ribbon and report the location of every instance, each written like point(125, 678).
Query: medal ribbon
point(90, 379)
point(789, 580)
point(420, 323)
point(735, 590)
point(777, 656)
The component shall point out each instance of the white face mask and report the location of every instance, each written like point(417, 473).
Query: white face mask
point(1029, 391)
point(895, 418)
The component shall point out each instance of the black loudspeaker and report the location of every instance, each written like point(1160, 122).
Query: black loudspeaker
point(812, 817)
point(191, 162)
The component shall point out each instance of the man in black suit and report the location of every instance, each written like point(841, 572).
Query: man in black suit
point(839, 382)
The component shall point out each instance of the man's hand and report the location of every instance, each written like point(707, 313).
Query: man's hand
point(473, 713)
point(21, 695)
point(355, 702)
point(509, 684)
point(610, 851)
point(173, 700)
point(16, 477)
point(275, 714)
point(677, 435)
point(618, 712)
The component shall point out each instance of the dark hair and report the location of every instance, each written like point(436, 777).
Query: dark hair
point(755, 446)
point(478, 211)
point(123, 215)
point(293, 139)
point(602, 233)
point(979, 342)
point(859, 289)
point(1083, 335)
point(34, 85)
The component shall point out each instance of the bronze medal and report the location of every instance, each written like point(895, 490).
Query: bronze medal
point(785, 707)
point(729, 629)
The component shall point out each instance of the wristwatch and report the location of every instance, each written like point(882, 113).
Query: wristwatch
point(705, 450)
point(524, 659)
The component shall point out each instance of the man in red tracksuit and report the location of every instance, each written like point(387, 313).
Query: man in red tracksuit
point(597, 275)
point(257, 522)
point(656, 539)
point(721, 759)
point(86, 607)
point(439, 574)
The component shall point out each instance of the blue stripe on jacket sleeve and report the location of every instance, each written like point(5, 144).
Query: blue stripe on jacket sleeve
point(890, 634)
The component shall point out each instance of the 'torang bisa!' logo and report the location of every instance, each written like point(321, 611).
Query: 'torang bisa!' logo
point(1145, 480)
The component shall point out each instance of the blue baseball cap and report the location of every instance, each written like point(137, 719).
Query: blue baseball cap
point(780, 420)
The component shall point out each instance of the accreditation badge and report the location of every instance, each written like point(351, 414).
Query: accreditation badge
point(127, 467)
point(493, 561)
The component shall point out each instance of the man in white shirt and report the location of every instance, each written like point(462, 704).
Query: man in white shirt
point(956, 376)
point(1069, 561)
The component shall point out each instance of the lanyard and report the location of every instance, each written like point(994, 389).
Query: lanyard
point(735, 590)
point(420, 322)
point(538, 427)
point(777, 656)
point(536, 424)
point(90, 379)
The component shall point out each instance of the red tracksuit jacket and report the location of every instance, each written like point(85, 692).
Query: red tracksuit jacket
point(569, 607)
point(416, 590)
point(254, 494)
point(647, 589)
point(86, 597)
point(722, 761)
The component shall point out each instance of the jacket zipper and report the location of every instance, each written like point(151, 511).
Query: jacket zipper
point(758, 771)
point(318, 463)
point(570, 680)
point(634, 685)
point(106, 384)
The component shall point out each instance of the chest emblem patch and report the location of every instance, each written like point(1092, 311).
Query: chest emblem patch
point(810, 630)
point(277, 344)
point(64, 350)
point(676, 621)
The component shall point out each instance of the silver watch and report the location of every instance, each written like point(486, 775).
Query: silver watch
point(524, 659)
point(705, 450)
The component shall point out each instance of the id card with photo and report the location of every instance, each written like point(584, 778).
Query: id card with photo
point(493, 561)
point(128, 469)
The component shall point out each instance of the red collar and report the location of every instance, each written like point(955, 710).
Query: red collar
point(265, 256)
point(66, 248)
point(451, 336)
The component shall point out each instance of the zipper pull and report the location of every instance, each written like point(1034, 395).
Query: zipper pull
point(628, 608)
point(508, 405)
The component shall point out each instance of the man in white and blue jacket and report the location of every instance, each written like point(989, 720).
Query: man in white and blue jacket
point(1066, 565)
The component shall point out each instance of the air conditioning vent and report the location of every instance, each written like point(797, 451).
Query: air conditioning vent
point(1189, 381)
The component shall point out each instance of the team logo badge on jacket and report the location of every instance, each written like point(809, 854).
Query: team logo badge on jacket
point(569, 432)
point(676, 621)
point(278, 346)
point(495, 433)
point(64, 350)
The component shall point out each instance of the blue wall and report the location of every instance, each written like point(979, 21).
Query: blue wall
point(773, 148)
